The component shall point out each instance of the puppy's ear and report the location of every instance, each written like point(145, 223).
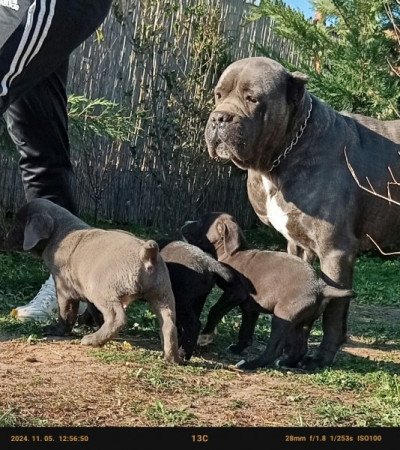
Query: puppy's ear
point(38, 228)
point(296, 87)
point(232, 237)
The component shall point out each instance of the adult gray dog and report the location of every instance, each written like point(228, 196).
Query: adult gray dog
point(294, 147)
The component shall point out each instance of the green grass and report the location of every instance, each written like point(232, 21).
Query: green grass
point(154, 374)
point(11, 418)
point(265, 238)
point(376, 280)
point(372, 412)
point(373, 385)
point(161, 415)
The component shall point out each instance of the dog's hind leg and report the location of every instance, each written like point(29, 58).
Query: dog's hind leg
point(162, 303)
point(67, 315)
point(224, 304)
point(190, 324)
point(247, 327)
point(114, 320)
point(337, 268)
point(296, 346)
point(280, 329)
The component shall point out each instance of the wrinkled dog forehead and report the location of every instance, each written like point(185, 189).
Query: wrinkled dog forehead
point(261, 74)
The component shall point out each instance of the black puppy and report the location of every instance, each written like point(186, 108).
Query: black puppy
point(193, 274)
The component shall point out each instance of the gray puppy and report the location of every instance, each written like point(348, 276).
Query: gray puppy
point(277, 283)
point(293, 146)
point(108, 268)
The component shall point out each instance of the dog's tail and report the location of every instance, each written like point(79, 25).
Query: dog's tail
point(219, 269)
point(330, 292)
point(149, 253)
point(224, 272)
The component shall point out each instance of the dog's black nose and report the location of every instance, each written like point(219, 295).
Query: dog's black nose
point(221, 117)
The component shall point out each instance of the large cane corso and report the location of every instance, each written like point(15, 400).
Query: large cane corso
point(294, 147)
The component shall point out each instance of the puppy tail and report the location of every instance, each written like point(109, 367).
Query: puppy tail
point(224, 272)
point(330, 292)
point(149, 253)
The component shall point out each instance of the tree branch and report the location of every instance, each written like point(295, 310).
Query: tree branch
point(371, 189)
point(381, 251)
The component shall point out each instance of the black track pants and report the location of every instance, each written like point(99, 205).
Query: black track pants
point(36, 39)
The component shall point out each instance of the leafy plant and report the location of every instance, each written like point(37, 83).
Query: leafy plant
point(350, 52)
point(100, 117)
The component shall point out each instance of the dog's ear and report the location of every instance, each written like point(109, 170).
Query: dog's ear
point(38, 228)
point(296, 87)
point(232, 237)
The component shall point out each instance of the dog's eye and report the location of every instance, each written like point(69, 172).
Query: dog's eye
point(218, 95)
point(251, 99)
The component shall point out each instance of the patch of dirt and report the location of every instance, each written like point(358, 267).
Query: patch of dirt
point(63, 384)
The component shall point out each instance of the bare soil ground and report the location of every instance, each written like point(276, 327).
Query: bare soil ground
point(62, 383)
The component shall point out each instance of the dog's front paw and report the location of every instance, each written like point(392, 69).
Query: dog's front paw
point(91, 340)
point(286, 363)
point(174, 359)
point(54, 330)
point(183, 354)
point(247, 365)
point(205, 339)
point(236, 349)
point(311, 363)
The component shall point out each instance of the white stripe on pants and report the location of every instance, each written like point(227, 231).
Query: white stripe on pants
point(23, 51)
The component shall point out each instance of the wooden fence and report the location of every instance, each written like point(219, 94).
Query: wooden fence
point(163, 176)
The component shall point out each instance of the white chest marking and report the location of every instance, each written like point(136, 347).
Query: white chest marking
point(275, 214)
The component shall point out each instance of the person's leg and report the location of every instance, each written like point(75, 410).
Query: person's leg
point(45, 163)
point(35, 47)
point(42, 41)
point(38, 124)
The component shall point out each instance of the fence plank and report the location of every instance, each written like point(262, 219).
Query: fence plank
point(144, 182)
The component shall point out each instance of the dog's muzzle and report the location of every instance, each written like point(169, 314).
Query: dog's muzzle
point(217, 131)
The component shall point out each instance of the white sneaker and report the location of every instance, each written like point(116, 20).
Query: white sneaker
point(43, 306)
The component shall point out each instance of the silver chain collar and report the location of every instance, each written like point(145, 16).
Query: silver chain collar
point(288, 149)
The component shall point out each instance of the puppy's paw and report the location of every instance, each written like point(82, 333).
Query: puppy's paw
point(236, 349)
point(91, 340)
point(246, 365)
point(54, 330)
point(174, 359)
point(310, 363)
point(284, 363)
point(206, 339)
point(184, 355)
